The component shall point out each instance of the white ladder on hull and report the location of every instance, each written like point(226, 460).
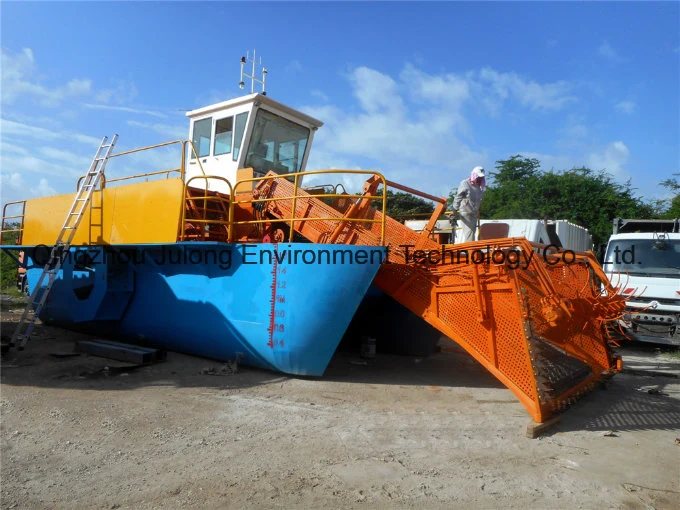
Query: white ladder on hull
point(22, 333)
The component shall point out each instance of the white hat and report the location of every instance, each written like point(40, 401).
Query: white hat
point(479, 171)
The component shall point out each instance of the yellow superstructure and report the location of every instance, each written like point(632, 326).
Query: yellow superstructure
point(138, 213)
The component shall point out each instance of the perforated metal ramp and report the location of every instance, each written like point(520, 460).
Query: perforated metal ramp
point(536, 322)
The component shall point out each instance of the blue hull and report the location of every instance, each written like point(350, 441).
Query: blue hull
point(278, 307)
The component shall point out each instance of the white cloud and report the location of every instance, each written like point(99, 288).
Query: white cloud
point(573, 136)
point(29, 155)
point(325, 160)
point(414, 127)
point(555, 162)
point(576, 131)
point(418, 148)
point(529, 93)
point(152, 160)
point(124, 92)
point(22, 82)
point(627, 107)
point(12, 188)
point(169, 131)
point(449, 89)
point(19, 80)
point(293, 66)
point(78, 87)
point(13, 180)
point(21, 131)
point(66, 157)
point(15, 187)
point(126, 109)
point(32, 150)
point(612, 159)
point(32, 164)
point(43, 189)
point(376, 91)
point(605, 50)
point(319, 94)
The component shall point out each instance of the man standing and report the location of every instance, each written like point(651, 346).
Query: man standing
point(467, 202)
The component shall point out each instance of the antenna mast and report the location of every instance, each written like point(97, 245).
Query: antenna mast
point(252, 77)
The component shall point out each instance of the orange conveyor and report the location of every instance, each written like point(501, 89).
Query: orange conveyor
point(537, 320)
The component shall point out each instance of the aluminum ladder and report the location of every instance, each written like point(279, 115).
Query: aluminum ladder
point(22, 333)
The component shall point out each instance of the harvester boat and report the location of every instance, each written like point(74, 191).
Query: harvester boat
point(229, 256)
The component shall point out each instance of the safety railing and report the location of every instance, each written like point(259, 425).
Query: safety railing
point(7, 219)
point(207, 198)
point(293, 219)
point(181, 171)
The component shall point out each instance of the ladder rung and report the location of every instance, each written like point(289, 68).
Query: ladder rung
point(83, 195)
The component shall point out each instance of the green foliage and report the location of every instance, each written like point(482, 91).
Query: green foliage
point(670, 208)
point(404, 206)
point(520, 190)
point(8, 267)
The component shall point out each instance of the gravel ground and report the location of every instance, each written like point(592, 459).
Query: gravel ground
point(394, 432)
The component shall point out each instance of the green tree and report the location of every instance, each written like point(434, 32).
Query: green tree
point(670, 208)
point(404, 206)
point(514, 185)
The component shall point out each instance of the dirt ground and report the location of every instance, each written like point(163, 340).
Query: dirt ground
point(394, 432)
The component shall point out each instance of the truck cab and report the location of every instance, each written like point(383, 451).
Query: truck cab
point(643, 261)
point(251, 131)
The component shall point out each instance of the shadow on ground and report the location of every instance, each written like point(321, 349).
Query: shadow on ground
point(632, 400)
point(46, 362)
point(626, 402)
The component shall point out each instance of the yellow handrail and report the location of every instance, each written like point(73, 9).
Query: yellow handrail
point(140, 149)
point(294, 197)
point(230, 219)
point(253, 200)
point(102, 182)
point(148, 174)
point(198, 160)
point(21, 216)
point(296, 176)
point(181, 169)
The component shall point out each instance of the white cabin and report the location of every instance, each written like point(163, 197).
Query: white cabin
point(251, 131)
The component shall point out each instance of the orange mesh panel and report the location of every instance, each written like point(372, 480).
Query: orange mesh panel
point(539, 329)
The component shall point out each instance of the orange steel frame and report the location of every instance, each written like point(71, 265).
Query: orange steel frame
point(550, 305)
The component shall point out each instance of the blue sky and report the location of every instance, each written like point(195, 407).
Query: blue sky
point(419, 91)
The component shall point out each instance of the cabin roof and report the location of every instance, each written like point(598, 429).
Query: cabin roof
point(251, 98)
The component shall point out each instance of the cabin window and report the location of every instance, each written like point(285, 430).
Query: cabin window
point(201, 138)
point(224, 129)
point(241, 120)
point(277, 144)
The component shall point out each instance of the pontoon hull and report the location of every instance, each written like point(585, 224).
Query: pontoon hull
point(278, 307)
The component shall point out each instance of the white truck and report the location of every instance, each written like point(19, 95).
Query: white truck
point(643, 261)
point(560, 233)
